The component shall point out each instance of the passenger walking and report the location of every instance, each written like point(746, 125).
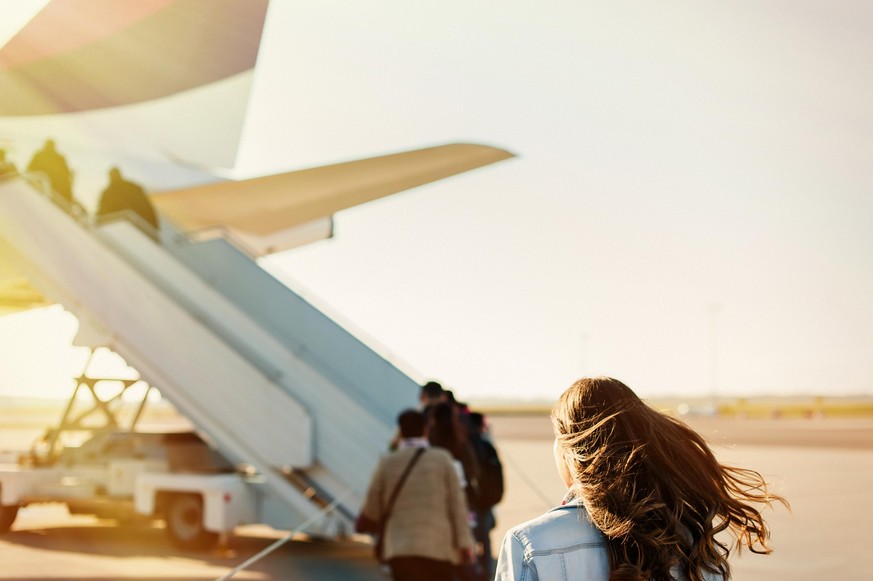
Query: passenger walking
point(491, 487)
point(121, 194)
point(432, 394)
point(446, 431)
point(646, 498)
point(48, 162)
point(420, 507)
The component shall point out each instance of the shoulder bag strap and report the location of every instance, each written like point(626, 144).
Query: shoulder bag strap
point(418, 453)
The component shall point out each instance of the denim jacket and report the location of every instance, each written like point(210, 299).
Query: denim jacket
point(561, 545)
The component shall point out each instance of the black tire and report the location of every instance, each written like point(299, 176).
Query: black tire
point(185, 523)
point(7, 517)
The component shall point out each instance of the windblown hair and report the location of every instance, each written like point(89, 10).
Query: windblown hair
point(654, 488)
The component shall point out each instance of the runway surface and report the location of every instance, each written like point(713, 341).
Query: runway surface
point(823, 466)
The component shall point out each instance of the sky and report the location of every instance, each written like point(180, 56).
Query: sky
point(689, 210)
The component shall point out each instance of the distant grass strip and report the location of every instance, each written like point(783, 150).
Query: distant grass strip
point(764, 407)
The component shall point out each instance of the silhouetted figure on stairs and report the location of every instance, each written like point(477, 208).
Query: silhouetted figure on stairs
point(121, 195)
point(54, 166)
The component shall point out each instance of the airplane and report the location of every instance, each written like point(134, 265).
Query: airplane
point(270, 381)
point(80, 68)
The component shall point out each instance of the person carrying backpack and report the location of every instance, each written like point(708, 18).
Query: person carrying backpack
point(491, 487)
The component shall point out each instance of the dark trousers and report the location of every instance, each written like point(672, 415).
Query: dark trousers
point(420, 569)
point(482, 534)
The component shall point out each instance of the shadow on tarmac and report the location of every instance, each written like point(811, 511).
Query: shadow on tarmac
point(126, 545)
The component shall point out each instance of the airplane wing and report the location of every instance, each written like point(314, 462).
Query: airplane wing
point(271, 213)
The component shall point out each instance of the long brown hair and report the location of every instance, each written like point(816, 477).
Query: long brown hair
point(653, 487)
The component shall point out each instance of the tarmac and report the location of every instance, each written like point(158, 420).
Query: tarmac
point(823, 466)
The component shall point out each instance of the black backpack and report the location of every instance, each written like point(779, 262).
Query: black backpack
point(490, 474)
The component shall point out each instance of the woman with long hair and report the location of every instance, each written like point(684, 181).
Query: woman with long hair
point(646, 501)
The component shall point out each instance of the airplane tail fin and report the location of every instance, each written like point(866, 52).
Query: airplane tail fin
point(131, 66)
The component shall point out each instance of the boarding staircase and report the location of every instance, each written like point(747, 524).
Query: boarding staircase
point(269, 379)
